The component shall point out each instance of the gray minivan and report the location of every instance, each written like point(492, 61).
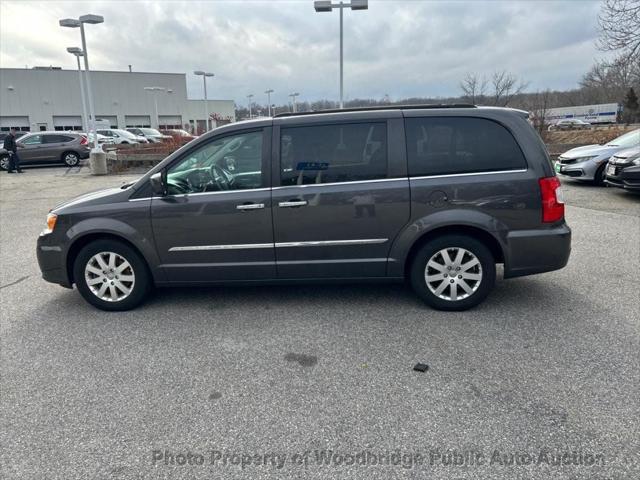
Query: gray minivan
point(436, 195)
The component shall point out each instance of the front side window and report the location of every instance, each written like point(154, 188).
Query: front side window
point(228, 163)
point(450, 145)
point(333, 153)
point(32, 140)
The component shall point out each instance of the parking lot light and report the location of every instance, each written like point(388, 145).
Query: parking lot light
point(155, 100)
point(250, 97)
point(269, 92)
point(77, 52)
point(293, 101)
point(206, 101)
point(326, 6)
point(79, 23)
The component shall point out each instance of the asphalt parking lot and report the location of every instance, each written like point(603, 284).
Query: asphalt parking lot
point(266, 382)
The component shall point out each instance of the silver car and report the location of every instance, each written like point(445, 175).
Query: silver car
point(588, 163)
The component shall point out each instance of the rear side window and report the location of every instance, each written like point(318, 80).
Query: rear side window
point(333, 153)
point(449, 145)
point(57, 138)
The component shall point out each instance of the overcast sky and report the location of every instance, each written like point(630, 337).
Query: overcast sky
point(402, 48)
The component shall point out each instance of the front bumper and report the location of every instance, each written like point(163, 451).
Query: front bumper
point(51, 260)
point(627, 178)
point(537, 251)
point(585, 170)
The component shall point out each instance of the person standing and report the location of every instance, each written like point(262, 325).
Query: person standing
point(11, 146)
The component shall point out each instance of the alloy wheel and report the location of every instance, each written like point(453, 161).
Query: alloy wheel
point(453, 274)
point(109, 276)
point(71, 159)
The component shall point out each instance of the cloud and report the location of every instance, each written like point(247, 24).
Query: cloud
point(409, 48)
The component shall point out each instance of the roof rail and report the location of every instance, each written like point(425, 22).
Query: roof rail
point(380, 107)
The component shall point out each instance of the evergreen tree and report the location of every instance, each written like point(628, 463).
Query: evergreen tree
point(631, 106)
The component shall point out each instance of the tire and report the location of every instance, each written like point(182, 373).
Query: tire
point(70, 159)
point(4, 162)
point(599, 176)
point(480, 277)
point(138, 280)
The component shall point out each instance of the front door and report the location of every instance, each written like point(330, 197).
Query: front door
point(215, 223)
point(338, 207)
point(33, 148)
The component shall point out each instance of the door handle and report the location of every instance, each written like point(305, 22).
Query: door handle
point(293, 203)
point(250, 206)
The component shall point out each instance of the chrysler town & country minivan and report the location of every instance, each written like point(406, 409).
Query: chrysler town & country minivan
point(435, 195)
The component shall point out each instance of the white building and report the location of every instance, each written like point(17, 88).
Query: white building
point(49, 99)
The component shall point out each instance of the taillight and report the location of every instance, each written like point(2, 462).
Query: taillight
point(552, 199)
point(84, 141)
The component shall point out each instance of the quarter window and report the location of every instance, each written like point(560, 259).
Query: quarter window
point(449, 145)
point(228, 163)
point(333, 153)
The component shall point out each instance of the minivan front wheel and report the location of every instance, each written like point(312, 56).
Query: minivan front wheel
point(111, 275)
point(453, 272)
point(70, 159)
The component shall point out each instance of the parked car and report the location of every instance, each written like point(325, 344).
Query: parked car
point(48, 147)
point(101, 138)
point(570, 124)
point(151, 134)
point(623, 169)
point(436, 195)
point(588, 163)
point(181, 136)
point(120, 137)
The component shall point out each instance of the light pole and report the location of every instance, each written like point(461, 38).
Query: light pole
point(155, 100)
point(293, 101)
point(75, 23)
point(85, 118)
point(250, 97)
point(206, 102)
point(269, 92)
point(327, 6)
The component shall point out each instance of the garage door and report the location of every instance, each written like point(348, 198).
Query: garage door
point(67, 123)
point(140, 121)
point(170, 121)
point(19, 123)
point(112, 119)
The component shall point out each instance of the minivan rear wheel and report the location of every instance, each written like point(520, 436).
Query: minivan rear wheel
point(70, 159)
point(111, 275)
point(453, 272)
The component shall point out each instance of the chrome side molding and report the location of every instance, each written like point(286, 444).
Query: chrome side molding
point(246, 246)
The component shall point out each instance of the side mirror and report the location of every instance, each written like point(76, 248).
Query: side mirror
point(158, 184)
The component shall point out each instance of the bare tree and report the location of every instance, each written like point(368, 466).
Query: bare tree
point(619, 22)
point(505, 86)
point(610, 81)
point(538, 104)
point(474, 88)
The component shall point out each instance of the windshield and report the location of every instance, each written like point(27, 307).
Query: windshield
point(150, 131)
point(628, 140)
point(126, 134)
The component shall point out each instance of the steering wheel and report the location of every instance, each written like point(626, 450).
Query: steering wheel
point(220, 177)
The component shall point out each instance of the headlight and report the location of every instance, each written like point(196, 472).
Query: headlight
point(585, 159)
point(52, 218)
